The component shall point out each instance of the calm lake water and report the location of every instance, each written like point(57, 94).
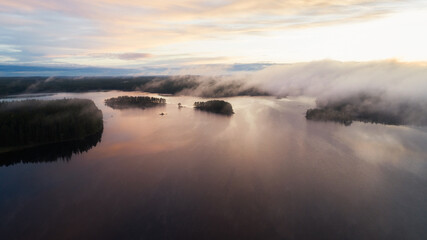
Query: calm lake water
point(263, 173)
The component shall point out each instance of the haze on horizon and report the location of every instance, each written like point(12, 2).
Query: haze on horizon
point(274, 119)
point(164, 37)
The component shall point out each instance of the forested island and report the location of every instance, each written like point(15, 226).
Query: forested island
point(30, 123)
point(215, 106)
point(371, 109)
point(142, 102)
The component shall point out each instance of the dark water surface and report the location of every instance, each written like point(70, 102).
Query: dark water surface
point(264, 173)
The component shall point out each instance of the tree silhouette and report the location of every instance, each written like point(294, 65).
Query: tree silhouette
point(123, 102)
point(36, 122)
point(215, 106)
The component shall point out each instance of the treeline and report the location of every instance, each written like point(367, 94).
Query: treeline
point(347, 116)
point(188, 85)
point(134, 102)
point(18, 85)
point(215, 106)
point(35, 122)
point(329, 114)
point(371, 109)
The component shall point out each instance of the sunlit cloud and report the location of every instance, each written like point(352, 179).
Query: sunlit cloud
point(112, 32)
point(123, 56)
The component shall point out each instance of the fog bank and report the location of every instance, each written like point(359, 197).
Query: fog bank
point(389, 87)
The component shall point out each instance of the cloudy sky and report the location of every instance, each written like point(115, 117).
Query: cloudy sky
point(168, 35)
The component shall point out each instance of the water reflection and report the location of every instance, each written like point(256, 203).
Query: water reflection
point(51, 152)
point(265, 173)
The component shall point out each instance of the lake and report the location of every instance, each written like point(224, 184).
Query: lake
point(263, 173)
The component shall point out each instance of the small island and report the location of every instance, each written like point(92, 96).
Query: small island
point(215, 106)
point(31, 123)
point(142, 102)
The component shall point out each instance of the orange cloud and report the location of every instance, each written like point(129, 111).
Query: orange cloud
point(127, 29)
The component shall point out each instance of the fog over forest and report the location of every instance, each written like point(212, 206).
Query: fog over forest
point(391, 88)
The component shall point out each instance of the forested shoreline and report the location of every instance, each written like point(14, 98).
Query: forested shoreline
point(30, 123)
point(349, 113)
point(186, 85)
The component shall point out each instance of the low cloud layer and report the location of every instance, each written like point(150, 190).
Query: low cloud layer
point(389, 88)
point(329, 80)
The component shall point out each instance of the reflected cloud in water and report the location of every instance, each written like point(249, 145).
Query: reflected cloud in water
point(264, 173)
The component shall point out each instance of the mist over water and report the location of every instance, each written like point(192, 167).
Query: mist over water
point(390, 88)
point(386, 91)
point(264, 173)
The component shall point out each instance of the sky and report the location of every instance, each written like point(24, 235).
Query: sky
point(140, 37)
